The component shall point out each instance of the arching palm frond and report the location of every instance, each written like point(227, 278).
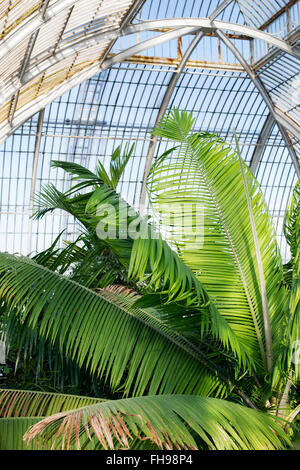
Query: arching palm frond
point(291, 226)
point(28, 403)
point(117, 167)
point(148, 258)
point(141, 353)
point(20, 409)
point(118, 164)
point(12, 431)
point(287, 364)
point(152, 261)
point(168, 421)
point(203, 177)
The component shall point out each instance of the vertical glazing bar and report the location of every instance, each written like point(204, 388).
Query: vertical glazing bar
point(34, 174)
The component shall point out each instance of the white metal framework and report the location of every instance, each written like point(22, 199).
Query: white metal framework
point(235, 47)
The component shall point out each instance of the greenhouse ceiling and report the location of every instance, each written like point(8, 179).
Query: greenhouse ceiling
point(80, 77)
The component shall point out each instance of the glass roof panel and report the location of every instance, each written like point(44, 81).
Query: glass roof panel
point(86, 119)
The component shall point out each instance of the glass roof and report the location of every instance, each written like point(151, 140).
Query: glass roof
point(102, 85)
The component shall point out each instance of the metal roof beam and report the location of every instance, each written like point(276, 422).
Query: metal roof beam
point(191, 64)
point(34, 174)
point(242, 37)
point(261, 142)
point(280, 12)
point(44, 14)
point(26, 59)
point(42, 101)
point(220, 9)
point(290, 147)
point(32, 24)
point(41, 64)
point(283, 122)
point(61, 53)
point(173, 34)
point(166, 101)
point(274, 53)
point(130, 15)
point(23, 31)
point(207, 24)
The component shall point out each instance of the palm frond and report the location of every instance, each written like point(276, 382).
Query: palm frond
point(12, 431)
point(152, 261)
point(291, 226)
point(21, 409)
point(149, 259)
point(287, 365)
point(141, 354)
point(28, 403)
point(261, 277)
point(168, 421)
point(79, 172)
point(118, 164)
point(203, 175)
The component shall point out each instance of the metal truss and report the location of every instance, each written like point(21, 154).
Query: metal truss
point(261, 142)
point(183, 26)
point(37, 71)
point(283, 122)
point(33, 24)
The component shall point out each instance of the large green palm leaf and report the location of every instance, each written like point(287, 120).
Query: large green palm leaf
point(168, 421)
point(149, 259)
point(20, 409)
point(104, 334)
point(288, 357)
point(28, 403)
point(204, 175)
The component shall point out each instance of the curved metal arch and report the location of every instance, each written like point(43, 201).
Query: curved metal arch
point(282, 121)
point(166, 100)
point(188, 25)
point(135, 6)
point(34, 173)
point(21, 115)
point(26, 111)
point(23, 31)
point(38, 66)
point(261, 141)
point(207, 24)
point(280, 117)
point(220, 9)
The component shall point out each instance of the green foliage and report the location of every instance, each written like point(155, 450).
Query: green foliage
point(20, 409)
point(291, 226)
point(203, 176)
point(291, 331)
point(22, 403)
point(150, 261)
point(81, 322)
point(174, 317)
point(169, 421)
point(117, 167)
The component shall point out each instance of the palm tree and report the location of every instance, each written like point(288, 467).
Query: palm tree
point(200, 328)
